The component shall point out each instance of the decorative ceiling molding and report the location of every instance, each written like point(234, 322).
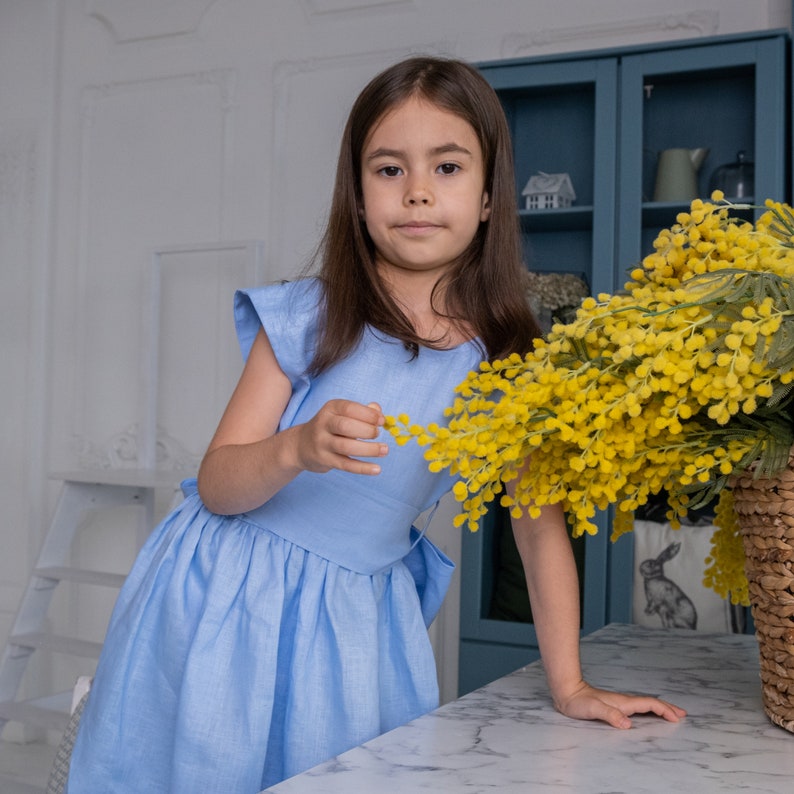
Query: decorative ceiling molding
point(703, 22)
point(148, 19)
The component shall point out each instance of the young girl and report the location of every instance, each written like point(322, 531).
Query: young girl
point(278, 616)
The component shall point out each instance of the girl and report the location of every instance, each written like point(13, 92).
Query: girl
point(278, 617)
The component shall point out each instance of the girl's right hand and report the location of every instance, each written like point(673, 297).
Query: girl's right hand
point(339, 434)
point(249, 460)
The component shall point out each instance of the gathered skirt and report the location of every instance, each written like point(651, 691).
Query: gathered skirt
point(235, 658)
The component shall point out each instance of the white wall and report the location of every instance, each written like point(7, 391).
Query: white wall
point(133, 125)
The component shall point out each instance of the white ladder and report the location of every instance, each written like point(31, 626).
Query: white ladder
point(81, 493)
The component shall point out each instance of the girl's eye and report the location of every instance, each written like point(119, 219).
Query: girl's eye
point(390, 170)
point(448, 168)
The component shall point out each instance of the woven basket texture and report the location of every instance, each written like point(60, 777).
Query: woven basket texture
point(765, 511)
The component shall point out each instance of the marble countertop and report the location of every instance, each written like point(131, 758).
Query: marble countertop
point(507, 737)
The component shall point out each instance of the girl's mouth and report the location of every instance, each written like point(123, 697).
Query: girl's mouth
point(418, 227)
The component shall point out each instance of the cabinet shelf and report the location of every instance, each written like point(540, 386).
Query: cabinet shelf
point(662, 214)
point(574, 218)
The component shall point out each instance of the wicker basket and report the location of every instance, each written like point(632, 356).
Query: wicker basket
point(765, 510)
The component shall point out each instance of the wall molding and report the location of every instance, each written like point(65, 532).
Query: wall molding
point(702, 22)
point(224, 79)
point(122, 451)
point(148, 19)
point(320, 8)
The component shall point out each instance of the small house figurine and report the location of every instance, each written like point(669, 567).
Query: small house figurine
point(548, 191)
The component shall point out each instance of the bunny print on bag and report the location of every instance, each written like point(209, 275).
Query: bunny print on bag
point(664, 597)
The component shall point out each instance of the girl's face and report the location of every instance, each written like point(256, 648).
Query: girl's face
point(423, 187)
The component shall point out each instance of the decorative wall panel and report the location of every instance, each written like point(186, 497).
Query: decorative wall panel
point(154, 158)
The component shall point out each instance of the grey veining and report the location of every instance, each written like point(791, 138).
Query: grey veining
point(507, 737)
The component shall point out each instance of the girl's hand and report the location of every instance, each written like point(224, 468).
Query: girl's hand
point(337, 436)
point(249, 460)
point(589, 703)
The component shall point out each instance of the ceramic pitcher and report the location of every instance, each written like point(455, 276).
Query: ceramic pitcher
point(676, 174)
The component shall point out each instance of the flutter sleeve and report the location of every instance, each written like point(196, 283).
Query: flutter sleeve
point(288, 313)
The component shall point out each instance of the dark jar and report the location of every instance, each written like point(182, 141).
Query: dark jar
point(735, 180)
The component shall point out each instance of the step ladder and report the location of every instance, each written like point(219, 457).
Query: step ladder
point(81, 493)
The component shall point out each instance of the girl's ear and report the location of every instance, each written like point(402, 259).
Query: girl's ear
point(485, 210)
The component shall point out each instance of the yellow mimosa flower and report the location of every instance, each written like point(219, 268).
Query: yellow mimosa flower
point(675, 384)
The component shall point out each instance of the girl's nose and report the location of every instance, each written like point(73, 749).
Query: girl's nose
point(417, 193)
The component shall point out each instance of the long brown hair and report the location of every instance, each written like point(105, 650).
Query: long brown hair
point(484, 290)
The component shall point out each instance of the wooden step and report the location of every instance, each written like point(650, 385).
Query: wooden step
point(51, 713)
point(13, 785)
point(80, 576)
point(57, 643)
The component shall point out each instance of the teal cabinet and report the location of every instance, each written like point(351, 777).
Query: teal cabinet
point(603, 118)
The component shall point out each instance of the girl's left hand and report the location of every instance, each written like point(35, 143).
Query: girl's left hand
point(589, 703)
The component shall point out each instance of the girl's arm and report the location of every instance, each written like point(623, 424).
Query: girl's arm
point(553, 587)
point(248, 461)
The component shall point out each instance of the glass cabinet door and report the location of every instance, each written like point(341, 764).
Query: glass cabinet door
point(727, 99)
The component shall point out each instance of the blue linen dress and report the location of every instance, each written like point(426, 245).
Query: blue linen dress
point(245, 649)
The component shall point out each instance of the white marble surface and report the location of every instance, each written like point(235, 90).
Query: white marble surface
point(506, 736)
